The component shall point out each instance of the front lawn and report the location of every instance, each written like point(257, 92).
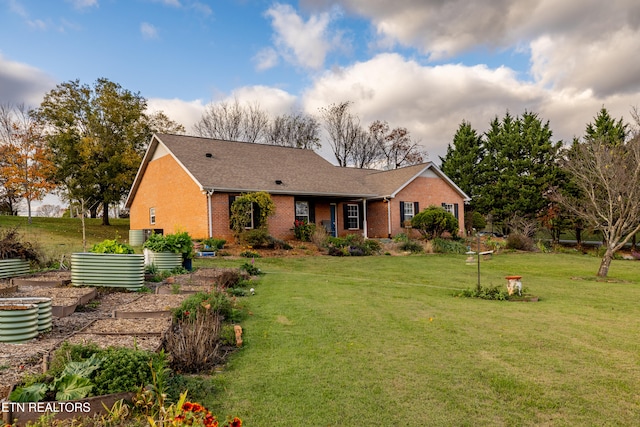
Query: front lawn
point(381, 341)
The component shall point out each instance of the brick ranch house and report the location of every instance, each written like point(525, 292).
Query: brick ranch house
point(188, 183)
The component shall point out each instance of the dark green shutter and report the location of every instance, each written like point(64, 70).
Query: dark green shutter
point(416, 208)
point(401, 214)
point(256, 215)
point(361, 216)
point(345, 215)
point(455, 210)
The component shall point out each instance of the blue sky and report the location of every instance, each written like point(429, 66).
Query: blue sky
point(422, 64)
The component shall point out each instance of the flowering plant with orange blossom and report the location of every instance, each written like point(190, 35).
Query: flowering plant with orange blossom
point(185, 413)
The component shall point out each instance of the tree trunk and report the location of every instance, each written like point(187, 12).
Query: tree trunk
point(29, 221)
point(105, 214)
point(605, 263)
point(93, 211)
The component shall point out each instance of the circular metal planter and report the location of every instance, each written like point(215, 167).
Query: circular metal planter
point(111, 270)
point(44, 304)
point(13, 267)
point(136, 237)
point(163, 260)
point(18, 322)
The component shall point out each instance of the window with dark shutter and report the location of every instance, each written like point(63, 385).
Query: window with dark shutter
point(407, 211)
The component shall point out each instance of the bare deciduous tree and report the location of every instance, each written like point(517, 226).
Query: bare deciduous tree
point(233, 121)
point(343, 128)
point(50, 211)
point(608, 179)
point(294, 130)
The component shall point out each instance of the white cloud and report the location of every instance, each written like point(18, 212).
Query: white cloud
point(304, 43)
point(21, 83)
point(148, 31)
point(273, 100)
point(265, 59)
point(607, 65)
point(431, 101)
point(187, 113)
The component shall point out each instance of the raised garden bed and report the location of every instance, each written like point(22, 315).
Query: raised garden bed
point(178, 288)
point(47, 279)
point(140, 342)
point(137, 327)
point(82, 295)
point(149, 306)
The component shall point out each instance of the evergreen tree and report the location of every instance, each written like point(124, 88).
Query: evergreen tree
point(606, 129)
point(462, 161)
point(519, 167)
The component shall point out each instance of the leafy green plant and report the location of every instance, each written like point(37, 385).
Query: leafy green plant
point(352, 245)
point(485, 292)
point(411, 246)
point(250, 254)
point(401, 237)
point(447, 246)
point(73, 383)
point(303, 230)
point(434, 221)
point(251, 269)
point(213, 243)
point(258, 238)
point(124, 369)
point(111, 247)
point(215, 301)
point(179, 243)
point(258, 204)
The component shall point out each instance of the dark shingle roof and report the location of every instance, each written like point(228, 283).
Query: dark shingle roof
point(230, 166)
point(242, 166)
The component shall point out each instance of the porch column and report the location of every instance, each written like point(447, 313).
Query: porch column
point(364, 218)
point(209, 221)
point(388, 217)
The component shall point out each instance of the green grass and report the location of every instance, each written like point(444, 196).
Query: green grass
point(58, 236)
point(382, 341)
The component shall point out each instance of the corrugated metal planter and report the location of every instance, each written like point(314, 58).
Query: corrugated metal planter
point(18, 322)
point(111, 270)
point(136, 237)
point(13, 267)
point(44, 309)
point(163, 260)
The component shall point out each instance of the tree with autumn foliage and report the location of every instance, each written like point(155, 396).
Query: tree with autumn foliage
point(24, 166)
point(97, 136)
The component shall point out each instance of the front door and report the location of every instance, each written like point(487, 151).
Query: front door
point(334, 229)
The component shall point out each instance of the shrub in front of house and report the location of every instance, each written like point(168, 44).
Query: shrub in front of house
point(434, 221)
point(411, 246)
point(258, 238)
point(303, 231)
point(446, 246)
point(352, 245)
point(521, 242)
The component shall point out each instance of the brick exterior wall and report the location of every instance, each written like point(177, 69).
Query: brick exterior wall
point(426, 191)
point(280, 225)
point(179, 203)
